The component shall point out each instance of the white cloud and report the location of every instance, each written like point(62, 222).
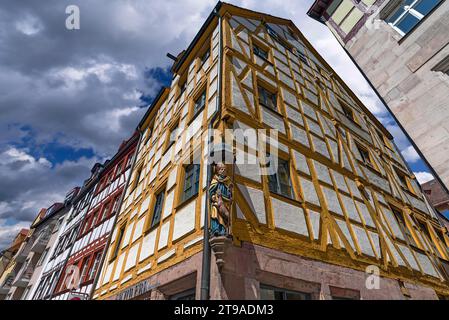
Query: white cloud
point(410, 154)
point(423, 176)
point(8, 232)
point(29, 25)
point(26, 161)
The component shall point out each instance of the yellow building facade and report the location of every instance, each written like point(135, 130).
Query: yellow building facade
point(341, 207)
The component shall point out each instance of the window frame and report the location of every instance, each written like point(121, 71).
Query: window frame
point(169, 142)
point(195, 174)
point(138, 173)
point(196, 111)
point(204, 57)
point(118, 242)
point(400, 219)
point(411, 10)
point(257, 49)
point(155, 223)
point(279, 189)
point(264, 89)
point(284, 292)
point(94, 266)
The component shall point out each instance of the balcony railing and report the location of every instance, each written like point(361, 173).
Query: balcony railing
point(41, 242)
point(24, 276)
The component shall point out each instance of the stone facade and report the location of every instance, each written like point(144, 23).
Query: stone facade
point(408, 71)
point(437, 196)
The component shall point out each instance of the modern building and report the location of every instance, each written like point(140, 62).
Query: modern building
point(94, 228)
point(7, 263)
point(402, 48)
point(334, 207)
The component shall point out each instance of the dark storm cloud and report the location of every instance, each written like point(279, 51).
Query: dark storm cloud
point(77, 88)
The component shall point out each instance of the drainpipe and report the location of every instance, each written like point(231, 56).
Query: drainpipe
point(206, 262)
point(122, 196)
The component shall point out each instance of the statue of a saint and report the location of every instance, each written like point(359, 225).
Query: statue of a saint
point(220, 193)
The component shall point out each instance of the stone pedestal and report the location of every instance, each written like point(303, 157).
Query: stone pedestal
point(218, 246)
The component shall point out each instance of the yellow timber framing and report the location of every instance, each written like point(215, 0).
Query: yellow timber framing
point(329, 244)
point(188, 244)
point(322, 248)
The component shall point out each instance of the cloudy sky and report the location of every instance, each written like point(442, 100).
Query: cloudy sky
point(69, 97)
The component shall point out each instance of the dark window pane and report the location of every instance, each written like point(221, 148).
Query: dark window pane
point(191, 181)
point(272, 293)
point(396, 14)
point(260, 52)
point(280, 182)
point(267, 98)
point(205, 56)
point(200, 103)
point(158, 209)
point(425, 6)
point(407, 23)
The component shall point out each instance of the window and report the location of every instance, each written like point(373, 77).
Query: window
point(116, 205)
point(403, 179)
point(344, 293)
point(158, 209)
point(280, 182)
point(94, 267)
point(150, 132)
point(402, 224)
point(137, 177)
point(364, 154)
point(303, 58)
point(118, 242)
point(119, 169)
point(272, 293)
point(267, 98)
point(205, 57)
point(129, 160)
point(88, 223)
point(442, 66)
point(261, 53)
point(185, 295)
point(84, 269)
point(199, 104)
point(191, 181)
point(171, 137)
point(105, 211)
point(348, 113)
point(409, 13)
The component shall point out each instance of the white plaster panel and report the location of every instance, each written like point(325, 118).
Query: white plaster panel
point(288, 217)
point(148, 245)
point(184, 220)
point(255, 200)
point(163, 236)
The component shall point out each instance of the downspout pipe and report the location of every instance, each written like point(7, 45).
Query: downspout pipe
point(206, 259)
point(122, 196)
